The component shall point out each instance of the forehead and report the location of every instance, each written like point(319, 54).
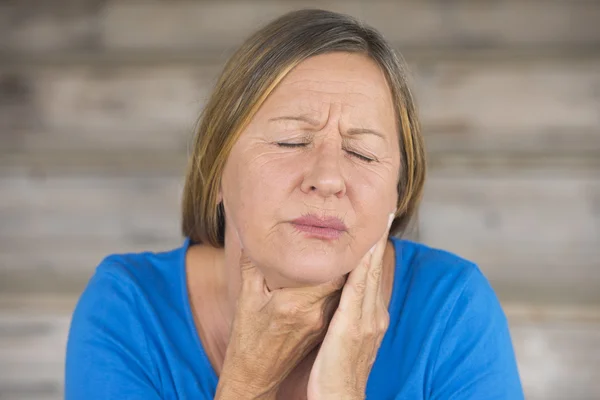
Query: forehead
point(352, 79)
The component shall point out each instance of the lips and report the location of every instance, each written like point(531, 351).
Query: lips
point(313, 220)
point(328, 228)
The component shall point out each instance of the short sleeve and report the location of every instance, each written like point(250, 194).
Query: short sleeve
point(107, 355)
point(476, 358)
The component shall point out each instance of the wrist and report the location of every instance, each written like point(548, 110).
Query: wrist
point(233, 392)
point(234, 389)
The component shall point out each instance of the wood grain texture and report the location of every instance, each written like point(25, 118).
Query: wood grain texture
point(533, 236)
point(32, 351)
point(33, 26)
point(56, 230)
point(92, 108)
point(557, 360)
point(532, 108)
point(74, 206)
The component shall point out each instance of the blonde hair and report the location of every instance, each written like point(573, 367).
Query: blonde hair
point(248, 78)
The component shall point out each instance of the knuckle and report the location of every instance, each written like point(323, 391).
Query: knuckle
point(315, 320)
point(368, 327)
point(375, 273)
point(360, 288)
point(245, 263)
point(285, 308)
point(370, 331)
point(383, 323)
point(276, 325)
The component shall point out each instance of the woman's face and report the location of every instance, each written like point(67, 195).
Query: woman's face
point(310, 183)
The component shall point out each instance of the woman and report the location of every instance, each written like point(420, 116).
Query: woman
point(288, 285)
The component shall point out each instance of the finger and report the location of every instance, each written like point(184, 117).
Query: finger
point(354, 289)
point(253, 280)
point(329, 307)
point(387, 236)
point(373, 285)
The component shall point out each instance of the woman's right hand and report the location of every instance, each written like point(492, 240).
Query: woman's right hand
point(272, 332)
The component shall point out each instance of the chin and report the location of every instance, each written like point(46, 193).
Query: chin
point(295, 271)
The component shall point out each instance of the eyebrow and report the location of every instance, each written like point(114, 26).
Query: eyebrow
point(365, 131)
point(301, 118)
point(314, 122)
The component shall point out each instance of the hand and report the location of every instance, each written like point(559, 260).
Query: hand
point(344, 361)
point(272, 332)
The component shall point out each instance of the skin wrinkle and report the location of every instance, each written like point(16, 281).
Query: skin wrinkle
point(263, 186)
point(324, 97)
point(273, 183)
point(359, 145)
point(308, 119)
point(308, 84)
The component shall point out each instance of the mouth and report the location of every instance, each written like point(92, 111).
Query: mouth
point(329, 228)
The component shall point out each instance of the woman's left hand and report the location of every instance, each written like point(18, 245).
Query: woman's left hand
point(350, 346)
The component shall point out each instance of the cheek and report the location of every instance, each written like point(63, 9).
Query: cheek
point(373, 190)
point(258, 186)
point(269, 178)
point(373, 197)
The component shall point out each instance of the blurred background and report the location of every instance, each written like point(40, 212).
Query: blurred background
point(98, 100)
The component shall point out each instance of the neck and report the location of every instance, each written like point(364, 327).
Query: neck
point(214, 281)
point(211, 299)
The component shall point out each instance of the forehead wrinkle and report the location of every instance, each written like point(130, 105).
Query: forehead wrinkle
point(317, 99)
point(316, 85)
point(313, 97)
point(318, 90)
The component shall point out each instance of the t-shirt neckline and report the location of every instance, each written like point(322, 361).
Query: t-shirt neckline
point(392, 307)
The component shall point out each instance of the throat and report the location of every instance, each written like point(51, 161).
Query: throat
point(209, 303)
point(294, 386)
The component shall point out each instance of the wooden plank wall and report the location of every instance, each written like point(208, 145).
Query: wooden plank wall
point(98, 101)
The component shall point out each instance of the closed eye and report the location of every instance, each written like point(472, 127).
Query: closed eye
point(352, 153)
point(292, 144)
point(360, 156)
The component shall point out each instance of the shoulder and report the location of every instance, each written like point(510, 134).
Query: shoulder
point(146, 271)
point(440, 287)
point(129, 285)
point(121, 296)
point(422, 265)
point(447, 299)
point(109, 342)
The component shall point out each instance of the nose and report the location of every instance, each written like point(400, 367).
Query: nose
point(324, 173)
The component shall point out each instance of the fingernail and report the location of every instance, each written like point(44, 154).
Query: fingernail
point(372, 250)
point(390, 220)
point(239, 240)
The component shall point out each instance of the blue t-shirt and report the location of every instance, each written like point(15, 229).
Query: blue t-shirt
point(133, 335)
